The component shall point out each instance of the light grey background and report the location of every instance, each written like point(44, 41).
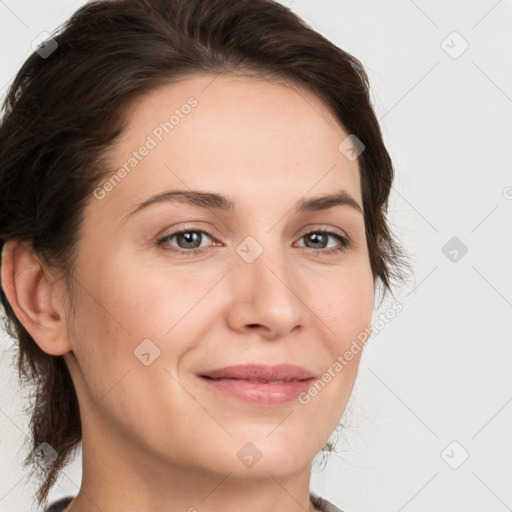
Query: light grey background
point(439, 373)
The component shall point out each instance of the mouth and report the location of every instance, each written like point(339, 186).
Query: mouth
point(256, 381)
point(260, 384)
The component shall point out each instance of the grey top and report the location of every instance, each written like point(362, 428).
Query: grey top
point(319, 503)
point(60, 505)
point(322, 504)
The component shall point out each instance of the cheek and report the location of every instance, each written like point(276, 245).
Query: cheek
point(346, 306)
point(128, 303)
point(131, 296)
point(109, 328)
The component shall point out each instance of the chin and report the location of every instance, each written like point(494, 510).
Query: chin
point(257, 456)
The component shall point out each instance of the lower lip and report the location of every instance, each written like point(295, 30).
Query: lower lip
point(259, 393)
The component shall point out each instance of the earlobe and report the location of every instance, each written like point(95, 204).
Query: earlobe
point(33, 297)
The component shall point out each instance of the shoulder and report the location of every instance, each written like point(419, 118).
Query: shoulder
point(322, 504)
point(60, 505)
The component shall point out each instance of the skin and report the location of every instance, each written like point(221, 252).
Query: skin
point(155, 437)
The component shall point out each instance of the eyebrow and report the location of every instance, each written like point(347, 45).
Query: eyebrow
point(211, 200)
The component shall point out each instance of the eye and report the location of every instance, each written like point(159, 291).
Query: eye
point(188, 240)
point(319, 239)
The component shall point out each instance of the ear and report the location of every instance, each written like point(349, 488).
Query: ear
point(36, 300)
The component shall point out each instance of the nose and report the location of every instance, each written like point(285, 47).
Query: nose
point(269, 296)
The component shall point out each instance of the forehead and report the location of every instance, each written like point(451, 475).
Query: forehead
point(241, 135)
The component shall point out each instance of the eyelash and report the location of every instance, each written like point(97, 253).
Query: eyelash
point(344, 242)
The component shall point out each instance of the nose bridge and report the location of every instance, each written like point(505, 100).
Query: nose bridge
point(264, 261)
point(268, 287)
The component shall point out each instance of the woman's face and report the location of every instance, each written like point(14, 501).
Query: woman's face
point(251, 281)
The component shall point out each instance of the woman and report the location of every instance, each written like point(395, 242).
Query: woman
point(193, 226)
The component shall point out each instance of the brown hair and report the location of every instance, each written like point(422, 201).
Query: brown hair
point(64, 111)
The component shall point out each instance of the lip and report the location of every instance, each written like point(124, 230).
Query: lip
point(256, 384)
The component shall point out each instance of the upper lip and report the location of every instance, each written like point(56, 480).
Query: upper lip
point(261, 372)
